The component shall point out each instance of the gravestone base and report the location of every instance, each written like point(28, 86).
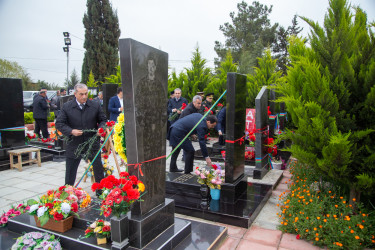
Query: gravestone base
point(230, 192)
point(259, 173)
point(143, 229)
point(184, 189)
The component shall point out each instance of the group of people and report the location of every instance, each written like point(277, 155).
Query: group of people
point(187, 120)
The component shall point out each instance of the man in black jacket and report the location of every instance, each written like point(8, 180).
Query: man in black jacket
point(193, 107)
point(180, 129)
point(75, 116)
point(175, 104)
point(40, 113)
point(220, 127)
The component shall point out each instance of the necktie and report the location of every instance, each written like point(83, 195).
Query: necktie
point(81, 105)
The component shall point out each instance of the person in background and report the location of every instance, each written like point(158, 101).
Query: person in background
point(77, 115)
point(116, 105)
point(99, 98)
point(207, 103)
point(193, 107)
point(180, 129)
point(171, 96)
point(220, 127)
point(40, 113)
point(176, 103)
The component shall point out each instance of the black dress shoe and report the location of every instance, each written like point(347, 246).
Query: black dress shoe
point(176, 170)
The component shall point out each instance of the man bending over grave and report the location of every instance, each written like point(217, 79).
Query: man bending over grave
point(180, 129)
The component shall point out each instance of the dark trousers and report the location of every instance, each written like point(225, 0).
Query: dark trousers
point(72, 166)
point(41, 124)
point(189, 157)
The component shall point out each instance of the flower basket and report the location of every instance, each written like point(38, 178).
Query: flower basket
point(58, 226)
point(101, 241)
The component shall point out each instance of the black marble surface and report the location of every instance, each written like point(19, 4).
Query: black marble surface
point(144, 72)
point(235, 126)
point(240, 213)
point(261, 121)
point(11, 112)
point(216, 156)
point(109, 90)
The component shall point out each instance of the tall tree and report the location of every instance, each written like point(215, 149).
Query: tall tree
point(330, 95)
point(280, 48)
point(219, 82)
point(250, 32)
point(198, 76)
point(9, 69)
point(116, 79)
point(101, 40)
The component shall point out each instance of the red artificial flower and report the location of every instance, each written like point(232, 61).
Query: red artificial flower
point(107, 212)
point(87, 231)
point(52, 124)
point(96, 186)
point(100, 221)
point(109, 124)
point(101, 130)
point(133, 179)
point(109, 201)
point(49, 146)
point(214, 166)
point(49, 192)
point(220, 105)
point(124, 174)
point(183, 106)
point(269, 150)
point(61, 188)
point(108, 184)
point(252, 138)
point(57, 216)
point(119, 199)
point(133, 194)
point(268, 110)
point(74, 207)
point(127, 185)
point(49, 205)
point(298, 236)
point(106, 229)
point(57, 195)
point(105, 156)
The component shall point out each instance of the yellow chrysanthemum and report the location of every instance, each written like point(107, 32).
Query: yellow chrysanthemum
point(141, 187)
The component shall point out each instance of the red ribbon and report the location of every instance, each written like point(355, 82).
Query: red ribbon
point(140, 163)
point(240, 140)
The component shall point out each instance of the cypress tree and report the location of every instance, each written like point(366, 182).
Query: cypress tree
point(102, 33)
point(330, 95)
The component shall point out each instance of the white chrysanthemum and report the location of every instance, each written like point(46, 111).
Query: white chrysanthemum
point(33, 208)
point(65, 207)
point(41, 211)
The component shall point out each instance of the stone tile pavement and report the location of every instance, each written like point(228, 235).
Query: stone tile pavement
point(33, 181)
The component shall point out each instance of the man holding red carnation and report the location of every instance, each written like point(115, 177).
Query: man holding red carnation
point(77, 115)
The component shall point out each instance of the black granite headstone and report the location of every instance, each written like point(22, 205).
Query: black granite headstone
point(235, 127)
point(144, 71)
point(282, 116)
point(11, 113)
point(109, 90)
point(261, 120)
point(272, 120)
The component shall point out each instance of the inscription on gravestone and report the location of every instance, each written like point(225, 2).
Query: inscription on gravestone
point(261, 120)
point(144, 71)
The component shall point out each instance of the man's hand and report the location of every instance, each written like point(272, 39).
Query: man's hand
point(208, 161)
point(178, 111)
point(174, 110)
point(76, 132)
point(220, 133)
point(122, 108)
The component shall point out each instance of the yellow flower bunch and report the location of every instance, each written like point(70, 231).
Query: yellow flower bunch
point(119, 137)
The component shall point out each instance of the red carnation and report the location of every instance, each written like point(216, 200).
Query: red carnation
point(87, 231)
point(183, 106)
point(252, 138)
point(134, 179)
point(61, 188)
point(108, 184)
point(109, 124)
point(106, 229)
point(214, 166)
point(298, 236)
point(95, 186)
point(105, 156)
point(124, 174)
point(127, 185)
point(133, 194)
point(220, 105)
point(49, 205)
point(101, 130)
point(100, 221)
point(57, 216)
point(49, 192)
point(113, 123)
point(74, 207)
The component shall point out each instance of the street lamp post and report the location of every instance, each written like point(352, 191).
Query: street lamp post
point(66, 49)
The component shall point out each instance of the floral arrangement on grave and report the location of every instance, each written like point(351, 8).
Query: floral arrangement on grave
point(37, 240)
point(99, 228)
point(206, 109)
point(212, 177)
point(29, 135)
point(173, 116)
point(13, 212)
point(55, 134)
point(118, 194)
point(271, 147)
point(119, 137)
point(250, 137)
point(59, 204)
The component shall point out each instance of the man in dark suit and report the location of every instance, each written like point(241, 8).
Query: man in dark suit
point(40, 113)
point(99, 98)
point(180, 129)
point(175, 104)
point(115, 105)
point(75, 116)
point(193, 107)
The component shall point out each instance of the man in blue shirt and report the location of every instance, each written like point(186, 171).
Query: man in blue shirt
point(180, 129)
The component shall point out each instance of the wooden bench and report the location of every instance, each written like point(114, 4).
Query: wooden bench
point(19, 152)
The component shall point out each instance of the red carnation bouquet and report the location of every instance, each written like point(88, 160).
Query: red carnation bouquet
point(118, 194)
point(174, 116)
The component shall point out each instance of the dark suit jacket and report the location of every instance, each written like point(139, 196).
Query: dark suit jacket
point(182, 127)
point(113, 106)
point(221, 120)
point(73, 117)
point(40, 107)
point(190, 109)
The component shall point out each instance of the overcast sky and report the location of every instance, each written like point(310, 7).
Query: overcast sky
point(31, 31)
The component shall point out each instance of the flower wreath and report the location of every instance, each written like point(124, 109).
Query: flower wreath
point(119, 137)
